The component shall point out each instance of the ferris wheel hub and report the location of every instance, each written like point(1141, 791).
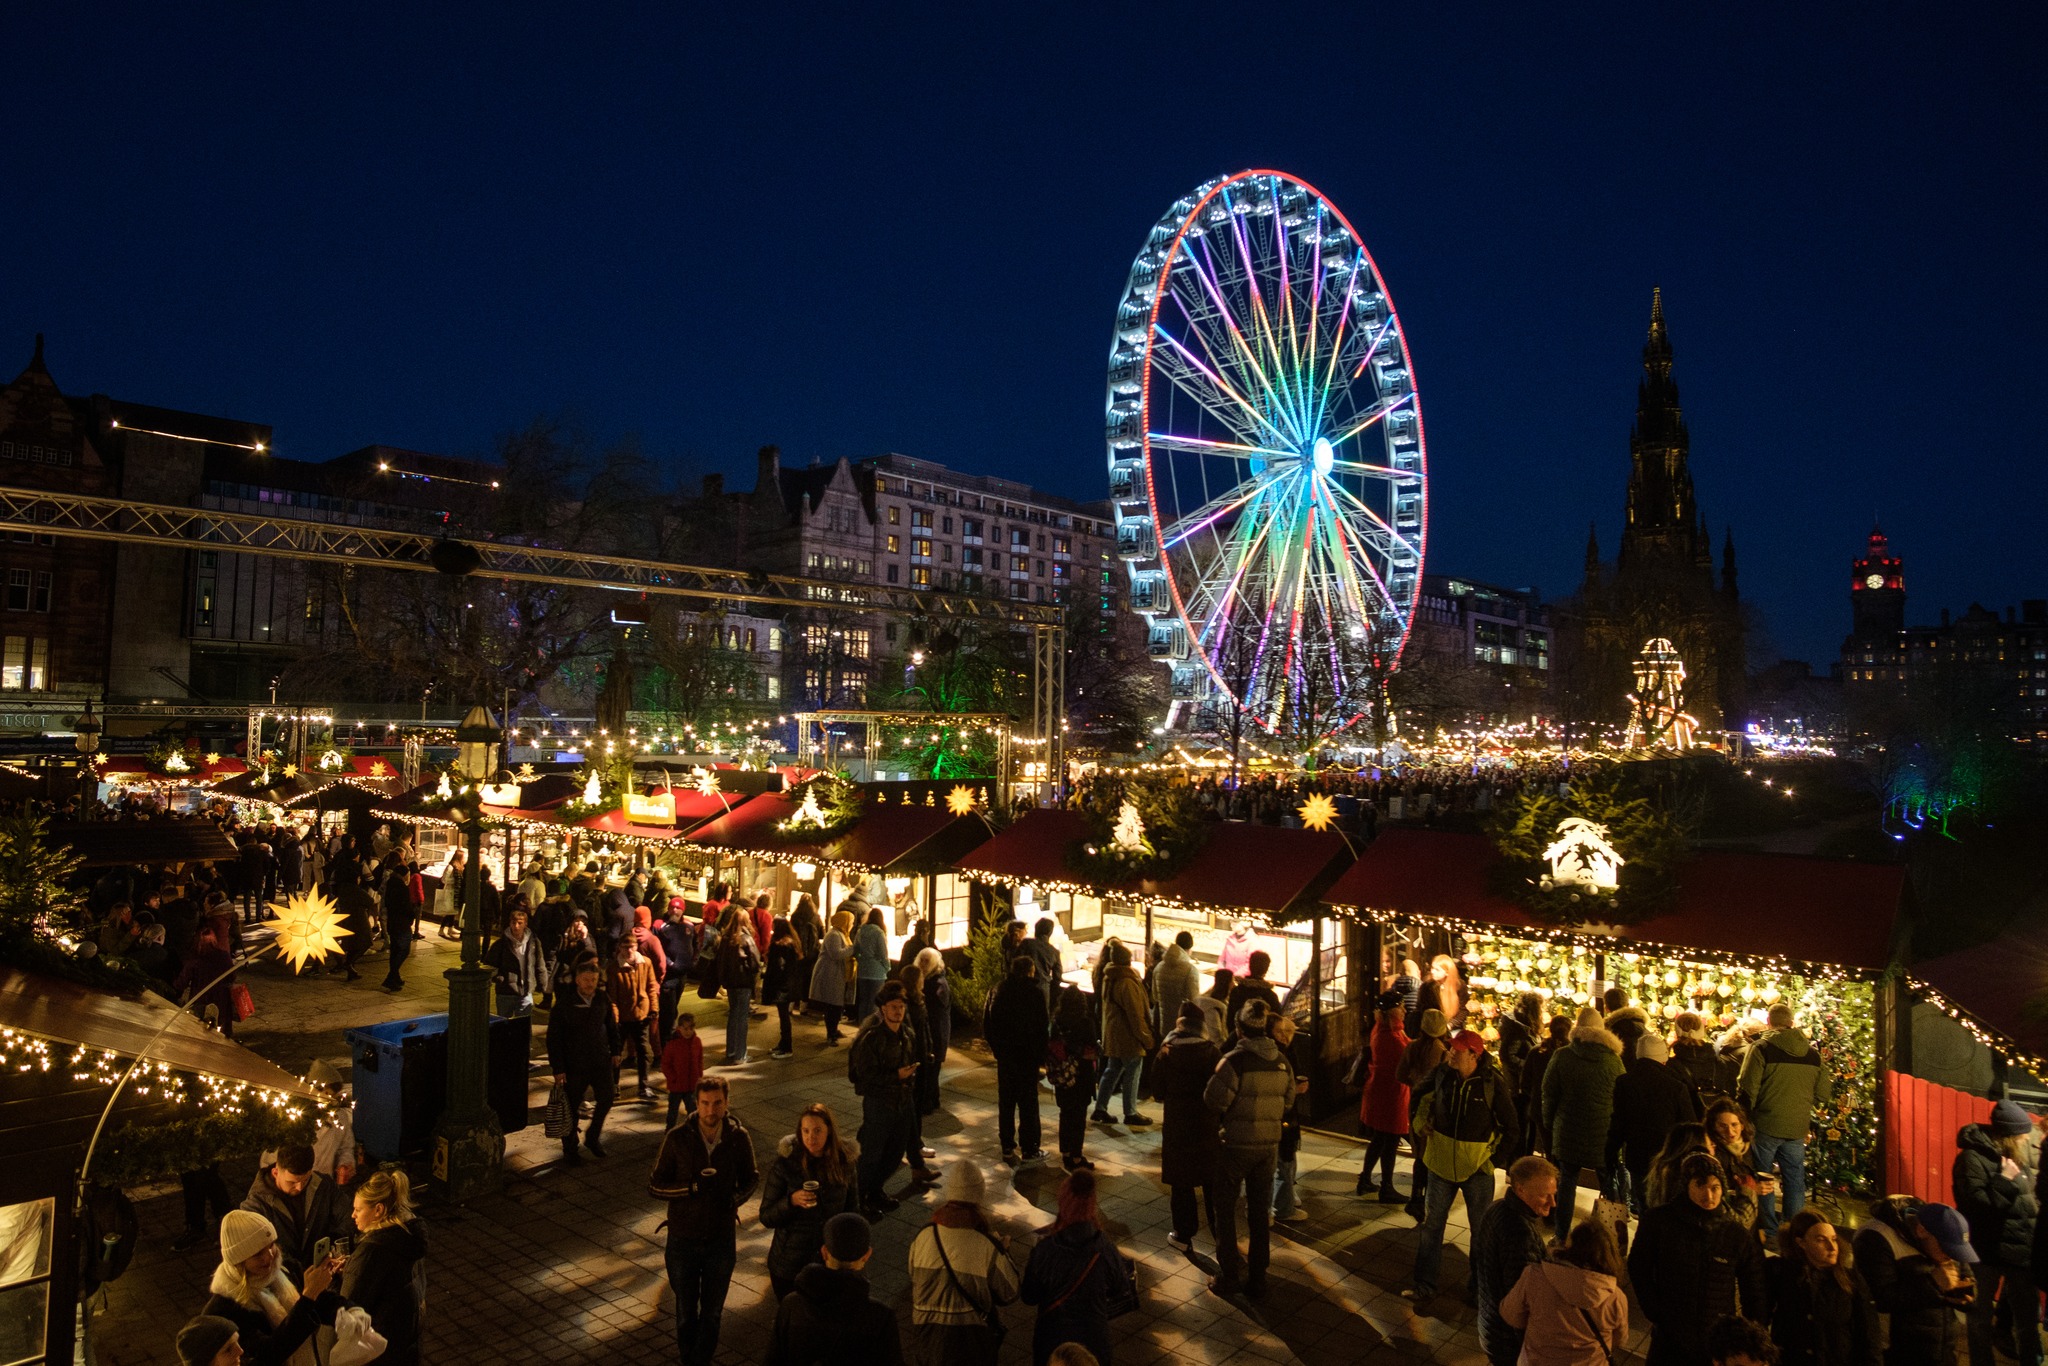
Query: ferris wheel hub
point(1324, 455)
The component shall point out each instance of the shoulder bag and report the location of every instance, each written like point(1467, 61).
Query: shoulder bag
point(989, 1316)
point(1606, 1353)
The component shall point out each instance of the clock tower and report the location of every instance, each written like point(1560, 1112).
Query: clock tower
point(1877, 593)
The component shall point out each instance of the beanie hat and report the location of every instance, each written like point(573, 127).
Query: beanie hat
point(1190, 1014)
point(243, 1234)
point(643, 918)
point(1254, 1017)
point(1388, 1000)
point(200, 1341)
point(847, 1237)
point(2008, 1119)
point(1653, 1048)
point(964, 1184)
point(1465, 1041)
point(1434, 1024)
point(1591, 1018)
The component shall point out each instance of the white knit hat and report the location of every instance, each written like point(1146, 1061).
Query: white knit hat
point(964, 1184)
point(243, 1234)
point(1653, 1048)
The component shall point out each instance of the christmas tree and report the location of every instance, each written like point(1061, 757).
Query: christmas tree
point(1839, 1018)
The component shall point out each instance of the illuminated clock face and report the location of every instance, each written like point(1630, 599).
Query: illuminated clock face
point(1874, 581)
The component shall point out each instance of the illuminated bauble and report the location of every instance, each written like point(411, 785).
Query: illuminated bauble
point(1769, 995)
point(1671, 978)
point(1490, 1034)
point(1579, 998)
point(308, 926)
point(1748, 993)
point(1671, 1012)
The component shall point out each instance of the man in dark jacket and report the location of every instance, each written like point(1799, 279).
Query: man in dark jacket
point(584, 1046)
point(1045, 958)
point(882, 1065)
point(1465, 1113)
point(1916, 1258)
point(1192, 1146)
point(830, 1319)
point(705, 1171)
point(1250, 1092)
point(1253, 986)
point(1691, 1263)
point(1017, 1027)
point(1993, 1178)
point(301, 1204)
point(1649, 1097)
point(1513, 1233)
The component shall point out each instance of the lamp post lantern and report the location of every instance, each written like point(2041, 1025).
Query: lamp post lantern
point(87, 742)
point(469, 1147)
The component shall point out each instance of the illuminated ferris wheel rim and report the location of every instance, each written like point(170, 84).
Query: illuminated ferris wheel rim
point(1287, 451)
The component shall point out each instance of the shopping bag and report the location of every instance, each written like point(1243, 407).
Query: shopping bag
point(1612, 1215)
point(244, 1003)
point(557, 1122)
point(355, 1341)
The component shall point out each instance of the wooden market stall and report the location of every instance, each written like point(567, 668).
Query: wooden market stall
point(1743, 931)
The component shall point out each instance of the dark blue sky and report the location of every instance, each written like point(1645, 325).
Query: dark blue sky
point(851, 229)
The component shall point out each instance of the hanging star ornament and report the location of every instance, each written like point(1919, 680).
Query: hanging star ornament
point(1318, 812)
point(212, 758)
point(291, 770)
point(308, 927)
point(526, 773)
point(705, 780)
point(960, 800)
point(378, 768)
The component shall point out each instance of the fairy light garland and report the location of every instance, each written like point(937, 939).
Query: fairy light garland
point(21, 1051)
point(1983, 1033)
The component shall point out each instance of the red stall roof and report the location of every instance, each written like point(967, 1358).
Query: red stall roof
point(1809, 910)
point(1260, 868)
point(884, 836)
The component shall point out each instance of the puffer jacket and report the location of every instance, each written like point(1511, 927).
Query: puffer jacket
point(1126, 1030)
point(1628, 1024)
point(1815, 1322)
point(1464, 1118)
point(1176, 980)
point(2001, 1209)
point(1191, 1142)
point(382, 1276)
point(1510, 1237)
point(1696, 1060)
point(800, 1233)
point(1578, 1097)
point(1559, 1308)
point(1690, 1266)
point(1383, 1107)
point(1251, 1091)
point(828, 978)
point(1923, 1327)
point(1782, 1079)
point(1649, 1097)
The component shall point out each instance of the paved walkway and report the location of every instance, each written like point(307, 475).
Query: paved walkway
point(565, 1264)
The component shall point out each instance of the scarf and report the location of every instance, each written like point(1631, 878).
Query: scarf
point(273, 1299)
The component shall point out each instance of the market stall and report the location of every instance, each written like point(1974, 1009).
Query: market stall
point(1741, 932)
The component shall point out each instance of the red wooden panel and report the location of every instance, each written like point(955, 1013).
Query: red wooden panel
point(1921, 1121)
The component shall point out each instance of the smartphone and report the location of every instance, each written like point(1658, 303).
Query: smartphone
point(322, 1250)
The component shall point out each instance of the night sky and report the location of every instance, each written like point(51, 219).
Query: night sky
point(848, 229)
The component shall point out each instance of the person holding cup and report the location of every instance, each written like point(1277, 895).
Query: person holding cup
point(811, 1179)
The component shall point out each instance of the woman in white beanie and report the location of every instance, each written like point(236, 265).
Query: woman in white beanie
point(960, 1276)
point(274, 1320)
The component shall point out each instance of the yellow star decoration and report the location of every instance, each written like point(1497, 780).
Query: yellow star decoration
point(1317, 812)
point(212, 757)
point(378, 768)
point(100, 757)
point(960, 800)
point(308, 926)
point(291, 770)
point(705, 781)
point(526, 774)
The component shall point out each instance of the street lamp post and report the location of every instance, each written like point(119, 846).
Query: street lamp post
point(469, 1147)
point(87, 743)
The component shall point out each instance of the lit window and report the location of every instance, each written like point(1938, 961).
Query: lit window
point(920, 576)
point(13, 662)
point(895, 516)
point(38, 673)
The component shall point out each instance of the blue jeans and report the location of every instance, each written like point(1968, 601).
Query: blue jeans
point(1119, 1074)
point(700, 1273)
point(1478, 1192)
point(1788, 1157)
point(864, 998)
point(738, 1002)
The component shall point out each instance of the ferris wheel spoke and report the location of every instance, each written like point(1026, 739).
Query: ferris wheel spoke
point(1276, 381)
point(1206, 516)
point(1215, 394)
point(1376, 534)
point(1238, 361)
point(1376, 471)
point(1248, 364)
point(1371, 415)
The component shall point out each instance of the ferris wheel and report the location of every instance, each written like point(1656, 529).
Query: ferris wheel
point(1266, 457)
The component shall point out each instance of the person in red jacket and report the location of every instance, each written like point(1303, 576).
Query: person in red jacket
point(1383, 1108)
point(682, 1066)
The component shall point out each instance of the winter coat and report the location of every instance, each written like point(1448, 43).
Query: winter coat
point(1073, 1043)
point(521, 967)
point(1557, 1309)
point(808, 928)
point(1649, 1097)
point(877, 1054)
point(1628, 1024)
point(679, 943)
point(1690, 1266)
point(1249, 989)
point(1464, 1119)
point(1126, 1023)
point(779, 978)
point(682, 1063)
point(831, 1319)
point(383, 1277)
point(739, 957)
point(949, 1307)
point(322, 1210)
point(1251, 1090)
point(1072, 1276)
point(1045, 956)
point(1191, 1144)
point(1535, 1126)
point(1696, 1061)
point(1517, 1042)
point(1738, 1184)
point(1015, 1024)
point(1214, 1027)
point(635, 990)
point(1578, 1097)
point(1510, 1236)
point(828, 978)
point(800, 1233)
point(699, 1206)
point(583, 1036)
point(2001, 1209)
point(1782, 1079)
point(1383, 1106)
point(938, 1013)
point(1923, 1327)
point(1817, 1323)
point(871, 953)
point(1175, 981)
point(265, 1343)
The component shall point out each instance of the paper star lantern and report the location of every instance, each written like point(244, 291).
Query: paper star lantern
point(1317, 812)
point(705, 780)
point(291, 770)
point(100, 757)
point(526, 773)
point(960, 800)
point(378, 768)
point(212, 758)
point(308, 926)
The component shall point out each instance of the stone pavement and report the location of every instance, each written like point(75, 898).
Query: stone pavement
point(566, 1264)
